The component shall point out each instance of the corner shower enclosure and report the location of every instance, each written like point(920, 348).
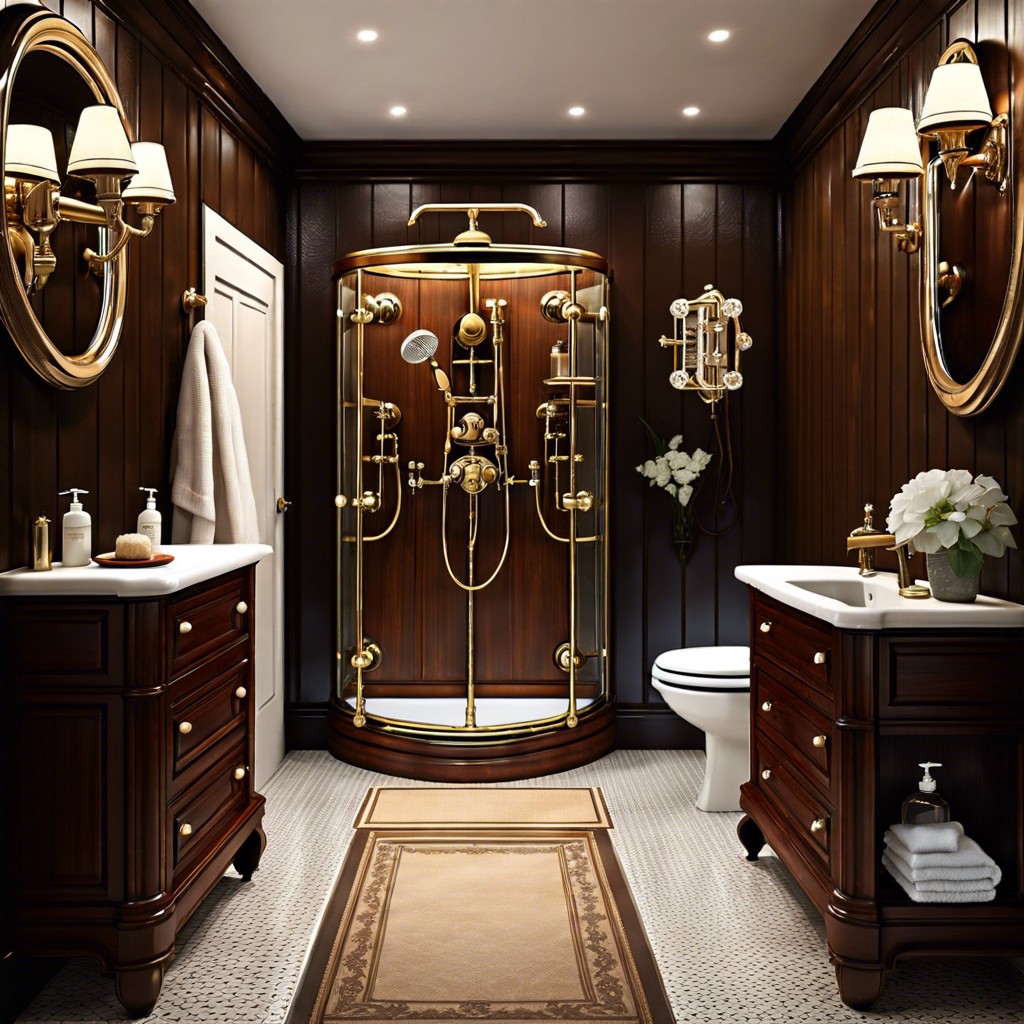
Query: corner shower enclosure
point(472, 507)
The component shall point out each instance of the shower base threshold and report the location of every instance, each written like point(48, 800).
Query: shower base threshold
point(451, 711)
point(469, 755)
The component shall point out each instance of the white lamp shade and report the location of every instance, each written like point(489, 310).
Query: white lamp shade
point(101, 145)
point(956, 98)
point(153, 182)
point(890, 148)
point(29, 154)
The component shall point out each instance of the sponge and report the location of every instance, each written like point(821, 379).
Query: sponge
point(133, 547)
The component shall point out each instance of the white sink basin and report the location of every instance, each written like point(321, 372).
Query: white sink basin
point(838, 594)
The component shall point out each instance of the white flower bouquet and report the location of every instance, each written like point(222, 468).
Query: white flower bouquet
point(678, 473)
point(947, 510)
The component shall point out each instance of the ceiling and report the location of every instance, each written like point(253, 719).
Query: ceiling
point(511, 69)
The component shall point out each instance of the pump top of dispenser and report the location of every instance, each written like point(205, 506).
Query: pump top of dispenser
point(151, 499)
point(76, 505)
point(927, 783)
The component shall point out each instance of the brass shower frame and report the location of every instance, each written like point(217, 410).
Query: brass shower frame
point(442, 261)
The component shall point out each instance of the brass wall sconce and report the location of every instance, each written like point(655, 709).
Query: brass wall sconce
point(955, 106)
point(126, 175)
point(706, 353)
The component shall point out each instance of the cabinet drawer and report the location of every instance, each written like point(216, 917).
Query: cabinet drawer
point(808, 816)
point(213, 714)
point(801, 732)
point(794, 643)
point(198, 818)
point(205, 622)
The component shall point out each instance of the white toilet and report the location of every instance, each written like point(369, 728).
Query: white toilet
point(710, 688)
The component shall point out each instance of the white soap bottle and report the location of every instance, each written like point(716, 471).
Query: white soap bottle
point(77, 547)
point(149, 519)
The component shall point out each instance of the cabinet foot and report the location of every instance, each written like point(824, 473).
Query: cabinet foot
point(750, 836)
point(859, 987)
point(247, 860)
point(138, 988)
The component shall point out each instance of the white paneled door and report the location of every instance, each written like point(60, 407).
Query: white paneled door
point(244, 286)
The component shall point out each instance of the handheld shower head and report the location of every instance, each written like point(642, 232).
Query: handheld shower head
point(419, 346)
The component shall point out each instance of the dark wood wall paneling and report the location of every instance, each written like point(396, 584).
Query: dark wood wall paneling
point(114, 436)
point(667, 232)
point(856, 415)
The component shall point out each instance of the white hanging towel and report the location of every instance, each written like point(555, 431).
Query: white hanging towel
point(210, 484)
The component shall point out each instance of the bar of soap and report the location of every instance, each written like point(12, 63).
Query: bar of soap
point(133, 547)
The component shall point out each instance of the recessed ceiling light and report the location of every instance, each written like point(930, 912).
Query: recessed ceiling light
point(367, 35)
point(577, 111)
point(691, 111)
point(398, 111)
point(719, 35)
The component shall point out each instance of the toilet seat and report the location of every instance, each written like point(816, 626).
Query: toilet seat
point(706, 669)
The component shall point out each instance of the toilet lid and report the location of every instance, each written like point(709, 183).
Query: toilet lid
point(706, 661)
point(729, 666)
point(714, 684)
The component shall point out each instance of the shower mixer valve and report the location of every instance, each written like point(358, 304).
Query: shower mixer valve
point(473, 473)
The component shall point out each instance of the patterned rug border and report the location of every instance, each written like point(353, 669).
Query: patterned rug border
point(641, 964)
point(368, 818)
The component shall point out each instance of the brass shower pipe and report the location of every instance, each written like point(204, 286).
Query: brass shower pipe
point(368, 654)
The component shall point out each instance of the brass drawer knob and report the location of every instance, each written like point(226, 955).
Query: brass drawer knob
point(818, 825)
point(184, 829)
point(185, 728)
point(239, 772)
point(184, 627)
point(766, 774)
point(241, 692)
point(241, 607)
point(766, 627)
point(820, 657)
point(766, 706)
point(819, 741)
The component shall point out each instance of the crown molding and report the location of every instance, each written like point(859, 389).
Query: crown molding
point(540, 160)
point(177, 33)
point(882, 39)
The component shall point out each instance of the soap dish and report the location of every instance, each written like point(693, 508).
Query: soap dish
point(108, 561)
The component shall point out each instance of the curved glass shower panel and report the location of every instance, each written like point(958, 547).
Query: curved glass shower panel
point(472, 492)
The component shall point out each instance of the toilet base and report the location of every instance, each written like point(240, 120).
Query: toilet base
point(728, 767)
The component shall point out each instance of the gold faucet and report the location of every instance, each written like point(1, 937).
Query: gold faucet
point(865, 555)
point(908, 588)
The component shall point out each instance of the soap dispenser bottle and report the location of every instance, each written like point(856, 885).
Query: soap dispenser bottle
point(925, 807)
point(149, 520)
point(77, 548)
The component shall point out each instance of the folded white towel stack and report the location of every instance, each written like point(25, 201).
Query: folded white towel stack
point(939, 864)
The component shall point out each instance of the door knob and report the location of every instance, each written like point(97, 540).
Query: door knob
point(283, 504)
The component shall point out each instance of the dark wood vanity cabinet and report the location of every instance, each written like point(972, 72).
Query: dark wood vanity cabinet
point(840, 720)
point(129, 789)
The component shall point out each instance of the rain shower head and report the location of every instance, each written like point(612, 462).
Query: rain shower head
point(419, 346)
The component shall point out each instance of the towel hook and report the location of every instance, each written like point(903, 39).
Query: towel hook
point(190, 301)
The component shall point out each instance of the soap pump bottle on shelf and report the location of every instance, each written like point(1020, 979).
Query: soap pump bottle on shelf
point(925, 807)
point(77, 535)
point(149, 520)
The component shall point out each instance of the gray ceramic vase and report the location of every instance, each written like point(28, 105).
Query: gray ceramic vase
point(945, 584)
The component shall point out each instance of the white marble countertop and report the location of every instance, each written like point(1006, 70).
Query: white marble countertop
point(193, 563)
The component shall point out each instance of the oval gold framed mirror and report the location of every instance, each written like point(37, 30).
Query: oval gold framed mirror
point(29, 36)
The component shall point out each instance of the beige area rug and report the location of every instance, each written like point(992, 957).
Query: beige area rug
point(449, 921)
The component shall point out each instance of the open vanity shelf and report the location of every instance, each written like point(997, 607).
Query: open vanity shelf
point(840, 718)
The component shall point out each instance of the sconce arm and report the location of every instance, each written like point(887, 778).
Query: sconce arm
point(908, 236)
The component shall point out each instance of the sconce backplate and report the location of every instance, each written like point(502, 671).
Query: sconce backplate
point(25, 30)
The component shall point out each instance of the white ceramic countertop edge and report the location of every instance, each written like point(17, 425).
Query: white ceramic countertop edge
point(193, 563)
point(773, 580)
